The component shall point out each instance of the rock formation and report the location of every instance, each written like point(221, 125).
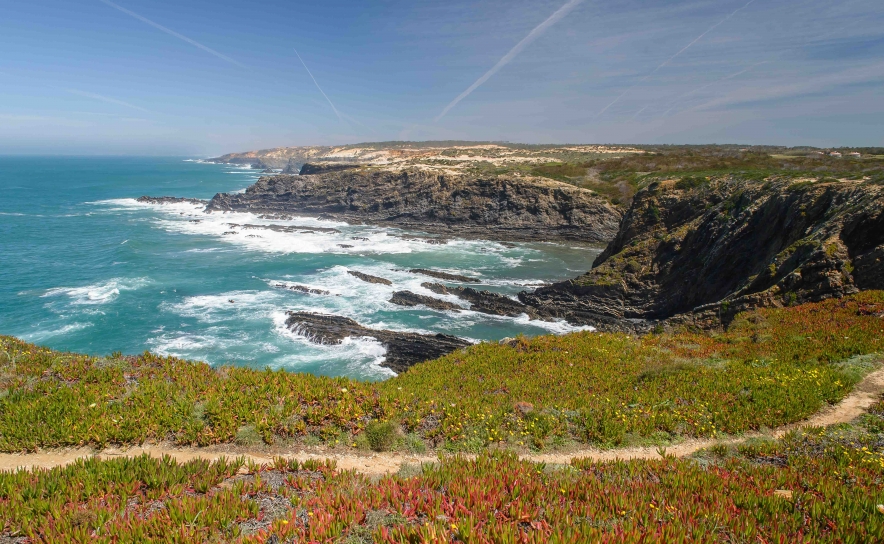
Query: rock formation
point(170, 200)
point(485, 302)
point(404, 349)
point(457, 204)
point(407, 298)
point(443, 275)
point(369, 278)
point(705, 252)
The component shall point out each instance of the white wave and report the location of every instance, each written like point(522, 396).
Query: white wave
point(361, 357)
point(218, 308)
point(42, 335)
point(99, 293)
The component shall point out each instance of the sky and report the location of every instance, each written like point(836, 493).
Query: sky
point(201, 78)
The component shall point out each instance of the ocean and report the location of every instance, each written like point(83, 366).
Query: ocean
point(86, 268)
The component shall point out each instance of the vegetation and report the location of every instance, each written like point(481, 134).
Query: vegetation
point(771, 367)
point(815, 485)
point(619, 177)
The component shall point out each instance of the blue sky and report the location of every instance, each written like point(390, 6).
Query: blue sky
point(203, 78)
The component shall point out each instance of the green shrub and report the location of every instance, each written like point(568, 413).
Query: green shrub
point(381, 435)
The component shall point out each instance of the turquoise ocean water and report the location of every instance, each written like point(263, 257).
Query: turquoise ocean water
point(84, 267)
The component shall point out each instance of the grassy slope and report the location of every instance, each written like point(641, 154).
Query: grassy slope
point(816, 485)
point(770, 368)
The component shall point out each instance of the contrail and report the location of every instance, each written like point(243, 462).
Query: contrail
point(533, 35)
point(341, 119)
point(173, 33)
point(106, 99)
point(670, 59)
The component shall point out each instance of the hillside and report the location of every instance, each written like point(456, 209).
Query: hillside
point(713, 246)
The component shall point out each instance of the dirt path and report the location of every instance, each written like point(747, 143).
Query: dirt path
point(855, 404)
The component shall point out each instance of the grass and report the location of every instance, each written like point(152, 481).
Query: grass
point(814, 485)
point(771, 367)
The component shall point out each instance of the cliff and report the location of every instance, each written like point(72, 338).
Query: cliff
point(455, 204)
point(702, 250)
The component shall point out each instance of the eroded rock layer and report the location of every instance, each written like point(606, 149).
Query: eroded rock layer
point(457, 204)
point(706, 252)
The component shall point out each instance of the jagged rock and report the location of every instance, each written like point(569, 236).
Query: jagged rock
point(701, 255)
point(485, 302)
point(453, 204)
point(369, 278)
point(286, 228)
point(407, 298)
point(345, 246)
point(404, 349)
point(170, 200)
point(443, 275)
point(303, 289)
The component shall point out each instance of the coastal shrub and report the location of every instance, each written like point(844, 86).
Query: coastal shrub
point(687, 183)
point(381, 435)
point(771, 367)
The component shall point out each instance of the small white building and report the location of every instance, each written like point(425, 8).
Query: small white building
point(854, 154)
point(835, 154)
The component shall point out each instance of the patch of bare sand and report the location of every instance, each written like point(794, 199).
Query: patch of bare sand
point(866, 393)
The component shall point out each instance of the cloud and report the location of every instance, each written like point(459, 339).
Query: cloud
point(341, 119)
point(172, 33)
point(673, 57)
point(107, 99)
point(533, 35)
point(852, 76)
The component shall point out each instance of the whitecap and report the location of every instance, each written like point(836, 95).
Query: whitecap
point(98, 293)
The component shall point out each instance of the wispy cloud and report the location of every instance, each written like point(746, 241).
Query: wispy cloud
point(748, 95)
point(533, 35)
point(107, 99)
point(706, 86)
point(341, 119)
point(172, 33)
point(673, 57)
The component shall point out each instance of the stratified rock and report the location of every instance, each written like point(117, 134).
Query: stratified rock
point(369, 278)
point(485, 302)
point(443, 275)
point(407, 298)
point(303, 289)
point(404, 349)
point(286, 228)
point(705, 253)
point(452, 204)
point(170, 200)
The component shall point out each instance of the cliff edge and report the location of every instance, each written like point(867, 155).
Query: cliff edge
point(454, 204)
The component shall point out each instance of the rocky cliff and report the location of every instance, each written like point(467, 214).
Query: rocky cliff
point(456, 204)
point(701, 250)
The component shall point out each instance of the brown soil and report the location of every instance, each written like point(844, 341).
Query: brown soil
point(855, 404)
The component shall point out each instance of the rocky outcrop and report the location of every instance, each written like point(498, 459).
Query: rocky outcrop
point(369, 278)
point(705, 252)
point(443, 275)
point(302, 289)
point(170, 200)
point(404, 349)
point(464, 205)
point(285, 228)
point(485, 302)
point(407, 298)
point(323, 168)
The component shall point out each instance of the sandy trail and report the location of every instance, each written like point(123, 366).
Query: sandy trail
point(866, 393)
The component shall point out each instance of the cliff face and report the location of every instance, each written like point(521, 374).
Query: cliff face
point(727, 245)
point(453, 204)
